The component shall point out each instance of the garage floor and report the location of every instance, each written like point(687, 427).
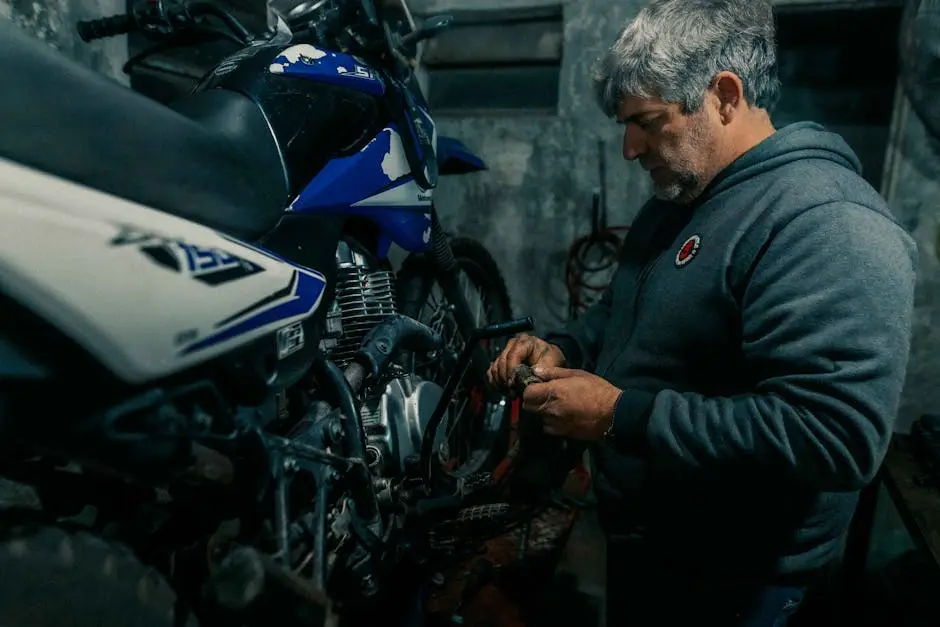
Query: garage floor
point(576, 596)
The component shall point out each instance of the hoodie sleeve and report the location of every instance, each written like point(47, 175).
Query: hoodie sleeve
point(581, 339)
point(826, 320)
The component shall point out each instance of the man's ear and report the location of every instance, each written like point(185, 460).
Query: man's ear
point(728, 92)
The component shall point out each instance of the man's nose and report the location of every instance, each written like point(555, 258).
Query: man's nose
point(634, 144)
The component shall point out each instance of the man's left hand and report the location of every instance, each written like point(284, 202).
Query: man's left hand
point(572, 403)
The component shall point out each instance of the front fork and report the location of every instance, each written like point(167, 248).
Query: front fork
point(448, 277)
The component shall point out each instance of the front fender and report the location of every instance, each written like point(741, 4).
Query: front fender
point(455, 158)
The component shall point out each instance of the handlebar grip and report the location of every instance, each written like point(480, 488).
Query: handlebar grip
point(105, 27)
point(504, 329)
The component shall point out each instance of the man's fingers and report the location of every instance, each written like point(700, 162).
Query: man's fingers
point(514, 355)
point(537, 396)
point(540, 350)
point(497, 368)
point(547, 373)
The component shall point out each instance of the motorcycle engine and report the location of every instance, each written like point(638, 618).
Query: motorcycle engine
point(395, 422)
point(397, 412)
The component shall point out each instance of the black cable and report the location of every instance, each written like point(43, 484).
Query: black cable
point(603, 245)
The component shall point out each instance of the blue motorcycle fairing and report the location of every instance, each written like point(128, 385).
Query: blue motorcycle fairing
point(374, 183)
point(454, 157)
point(381, 181)
point(338, 68)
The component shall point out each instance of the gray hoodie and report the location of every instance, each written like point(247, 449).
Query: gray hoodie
point(761, 336)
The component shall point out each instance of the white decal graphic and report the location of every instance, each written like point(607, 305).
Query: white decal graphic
point(395, 163)
point(294, 54)
point(407, 194)
point(290, 339)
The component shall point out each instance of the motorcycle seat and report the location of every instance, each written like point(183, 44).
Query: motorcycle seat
point(219, 168)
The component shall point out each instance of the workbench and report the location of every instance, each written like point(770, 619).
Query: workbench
point(917, 501)
point(915, 496)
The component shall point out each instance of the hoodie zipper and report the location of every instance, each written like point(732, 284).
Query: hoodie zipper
point(665, 235)
point(638, 294)
point(641, 284)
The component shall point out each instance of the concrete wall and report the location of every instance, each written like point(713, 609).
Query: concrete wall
point(912, 188)
point(53, 21)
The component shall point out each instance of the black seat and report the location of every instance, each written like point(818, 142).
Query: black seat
point(220, 169)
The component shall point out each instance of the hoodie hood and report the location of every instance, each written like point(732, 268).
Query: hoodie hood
point(794, 142)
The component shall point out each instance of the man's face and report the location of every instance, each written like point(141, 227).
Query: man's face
point(676, 149)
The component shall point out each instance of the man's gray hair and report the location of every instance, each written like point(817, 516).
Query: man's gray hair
point(674, 48)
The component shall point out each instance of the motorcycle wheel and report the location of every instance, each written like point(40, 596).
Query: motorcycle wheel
point(51, 577)
point(477, 430)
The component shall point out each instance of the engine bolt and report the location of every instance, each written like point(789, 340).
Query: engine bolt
point(336, 430)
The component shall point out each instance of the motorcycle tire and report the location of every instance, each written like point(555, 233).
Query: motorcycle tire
point(53, 577)
point(416, 280)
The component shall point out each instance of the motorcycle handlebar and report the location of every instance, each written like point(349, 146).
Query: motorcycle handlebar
point(158, 19)
point(120, 24)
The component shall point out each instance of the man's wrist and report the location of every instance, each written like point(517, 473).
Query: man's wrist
point(613, 416)
point(632, 411)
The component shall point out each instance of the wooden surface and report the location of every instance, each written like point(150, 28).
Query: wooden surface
point(919, 505)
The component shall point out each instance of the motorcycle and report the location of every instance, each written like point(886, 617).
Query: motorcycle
point(208, 357)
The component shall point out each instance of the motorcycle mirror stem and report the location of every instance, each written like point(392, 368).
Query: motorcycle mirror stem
point(371, 14)
point(430, 28)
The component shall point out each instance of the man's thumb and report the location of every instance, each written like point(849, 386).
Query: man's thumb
point(546, 373)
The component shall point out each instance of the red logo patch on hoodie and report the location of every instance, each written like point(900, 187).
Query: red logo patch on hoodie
point(688, 251)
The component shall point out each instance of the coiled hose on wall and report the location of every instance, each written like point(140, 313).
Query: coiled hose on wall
point(592, 259)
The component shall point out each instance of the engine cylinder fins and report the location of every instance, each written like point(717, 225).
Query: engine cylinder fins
point(364, 299)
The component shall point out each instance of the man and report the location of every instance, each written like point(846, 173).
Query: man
point(739, 379)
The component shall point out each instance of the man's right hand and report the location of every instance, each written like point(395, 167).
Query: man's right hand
point(522, 349)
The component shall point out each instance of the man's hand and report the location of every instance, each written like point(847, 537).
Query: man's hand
point(572, 403)
point(522, 349)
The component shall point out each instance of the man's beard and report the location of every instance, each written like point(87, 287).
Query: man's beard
point(682, 188)
point(685, 184)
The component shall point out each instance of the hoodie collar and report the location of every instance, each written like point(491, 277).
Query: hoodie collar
point(800, 140)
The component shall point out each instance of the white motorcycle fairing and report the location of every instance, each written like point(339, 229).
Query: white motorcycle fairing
point(146, 293)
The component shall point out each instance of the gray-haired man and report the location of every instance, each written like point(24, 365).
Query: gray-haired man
point(739, 380)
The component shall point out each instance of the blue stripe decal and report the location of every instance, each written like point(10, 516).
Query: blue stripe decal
point(270, 255)
point(305, 300)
